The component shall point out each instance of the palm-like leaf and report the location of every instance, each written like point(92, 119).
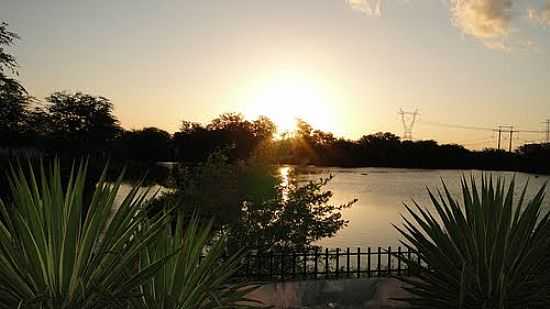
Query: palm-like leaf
point(196, 276)
point(52, 257)
point(492, 251)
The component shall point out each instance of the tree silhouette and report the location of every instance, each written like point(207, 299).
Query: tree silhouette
point(148, 145)
point(81, 123)
point(231, 131)
point(252, 206)
point(14, 99)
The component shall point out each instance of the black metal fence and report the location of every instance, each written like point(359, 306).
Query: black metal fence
point(327, 264)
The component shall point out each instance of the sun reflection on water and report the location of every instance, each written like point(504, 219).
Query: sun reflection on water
point(284, 173)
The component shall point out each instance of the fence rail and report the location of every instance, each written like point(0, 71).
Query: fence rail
point(327, 264)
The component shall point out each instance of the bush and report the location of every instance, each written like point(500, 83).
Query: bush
point(491, 251)
point(196, 275)
point(59, 250)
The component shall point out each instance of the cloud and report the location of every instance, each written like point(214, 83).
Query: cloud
point(542, 15)
point(497, 44)
point(483, 19)
point(489, 21)
point(369, 7)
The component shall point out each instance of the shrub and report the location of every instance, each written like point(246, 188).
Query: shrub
point(56, 251)
point(197, 274)
point(491, 251)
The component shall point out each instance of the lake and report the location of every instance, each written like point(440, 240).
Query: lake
point(381, 193)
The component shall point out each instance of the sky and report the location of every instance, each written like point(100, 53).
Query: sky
point(347, 66)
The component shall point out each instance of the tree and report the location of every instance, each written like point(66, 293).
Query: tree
point(264, 128)
point(230, 131)
point(380, 149)
point(292, 219)
point(194, 143)
point(81, 123)
point(236, 133)
point(14, 99)
point(148, 145)
point(253, 206)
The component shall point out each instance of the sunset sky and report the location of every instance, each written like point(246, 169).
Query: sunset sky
point(344, 66)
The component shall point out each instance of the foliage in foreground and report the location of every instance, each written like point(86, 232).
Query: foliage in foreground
point(57, 252)
point(490, 252)
point(197, 274)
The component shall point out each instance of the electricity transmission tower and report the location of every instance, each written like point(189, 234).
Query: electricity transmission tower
point(505, 129)
point(408, 119)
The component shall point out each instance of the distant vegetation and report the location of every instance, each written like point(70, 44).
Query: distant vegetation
point(78, 124)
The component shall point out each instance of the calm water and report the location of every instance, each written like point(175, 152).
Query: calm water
point(381, 193)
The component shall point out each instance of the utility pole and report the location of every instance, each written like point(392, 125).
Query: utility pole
point(510, 131)
point(547, 122)
point(408, 119)
point(499, 135)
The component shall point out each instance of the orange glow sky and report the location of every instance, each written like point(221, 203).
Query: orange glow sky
point(344, 66)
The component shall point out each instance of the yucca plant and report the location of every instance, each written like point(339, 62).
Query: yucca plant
point(492, 251)
point(58, 252)
point(198, 274)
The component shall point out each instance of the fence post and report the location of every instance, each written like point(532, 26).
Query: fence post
point(337, 262)
point(282, 255)
point(259, 271)
point(247, 267)
point(399, 261)
point(358, 262)
point(347, 261)
point(409, 261)
point(316, 267)
point(327, 266)
point(368, 263)
point(271, 264)
point(389, 262)
point(305, 263)
point(379, 261)
point(294, 265)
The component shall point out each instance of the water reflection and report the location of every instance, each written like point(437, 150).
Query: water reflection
point(284, 173)
point(381, 193)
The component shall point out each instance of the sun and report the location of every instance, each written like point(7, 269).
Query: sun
point(288, 97)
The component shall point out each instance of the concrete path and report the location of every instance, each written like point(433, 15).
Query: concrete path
point(372, 293)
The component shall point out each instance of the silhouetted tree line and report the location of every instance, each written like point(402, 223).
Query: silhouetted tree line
point(384, 149)
point(78, 124)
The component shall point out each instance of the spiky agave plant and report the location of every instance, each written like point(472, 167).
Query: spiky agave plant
point(491, 252)
point(197, 275)
point(55, 254)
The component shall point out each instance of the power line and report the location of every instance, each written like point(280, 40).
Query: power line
point(455, 126)
point(484, 142)
point(502, 129)
point(476, 140)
